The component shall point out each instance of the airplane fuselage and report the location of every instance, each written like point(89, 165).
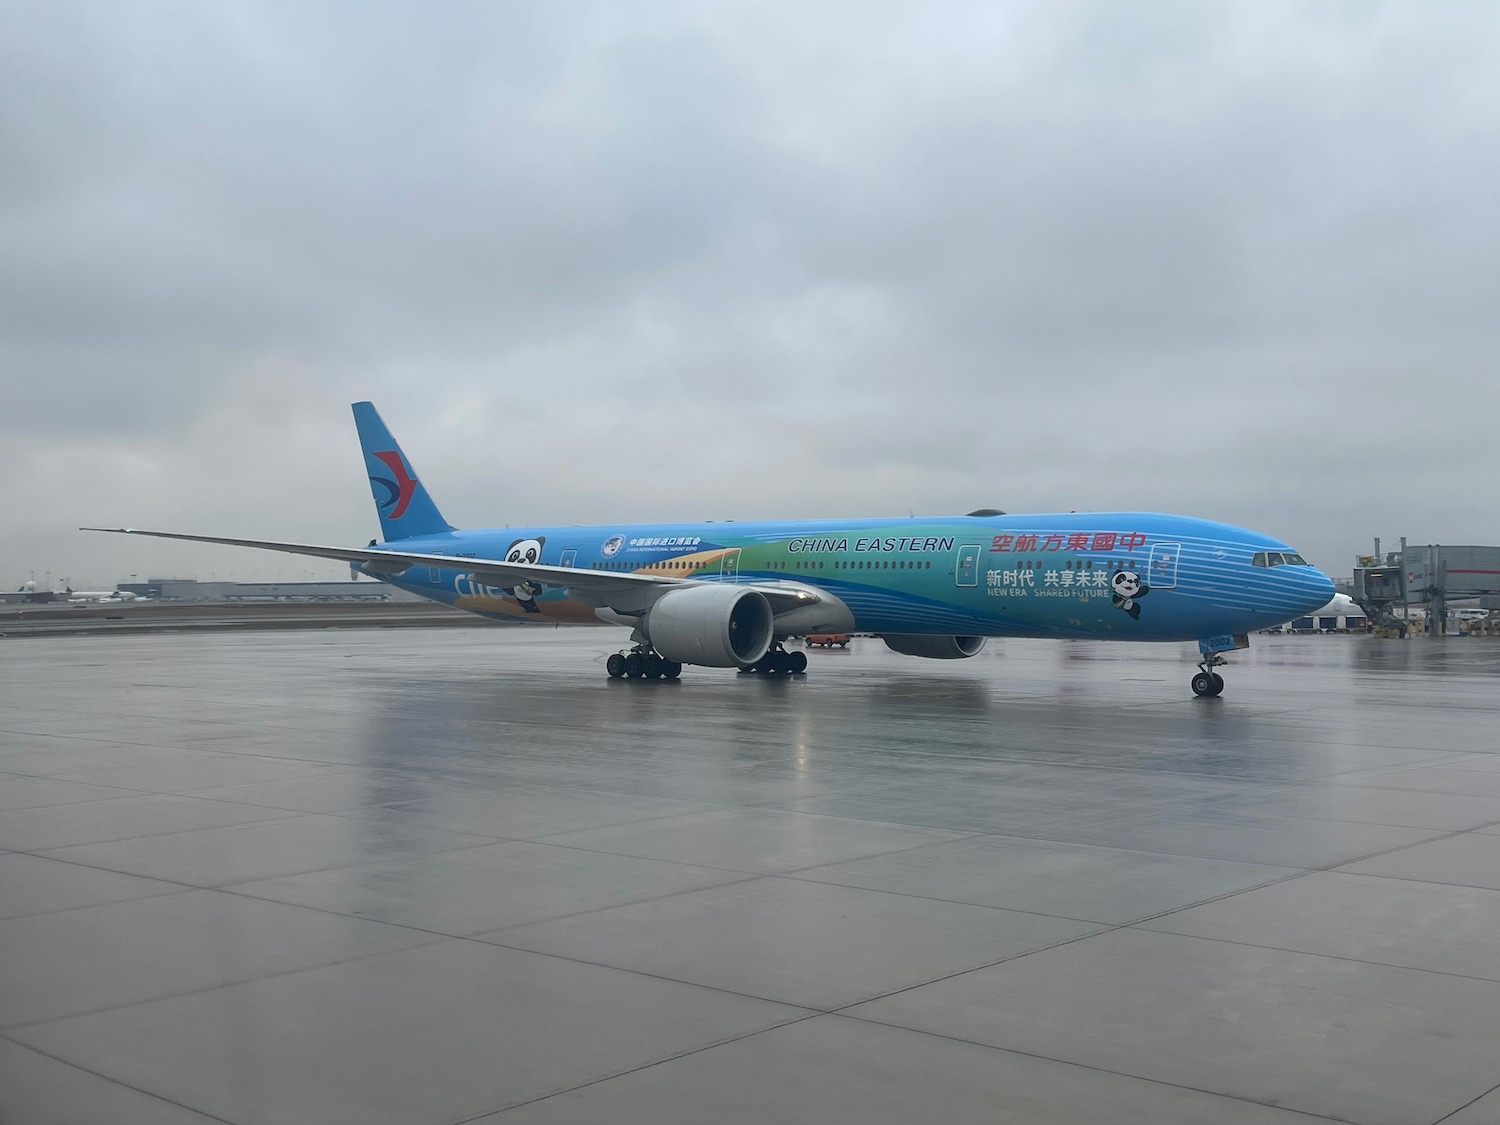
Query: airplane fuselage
point(1123, 575)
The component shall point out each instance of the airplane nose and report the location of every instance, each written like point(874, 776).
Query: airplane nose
point(1320, 590)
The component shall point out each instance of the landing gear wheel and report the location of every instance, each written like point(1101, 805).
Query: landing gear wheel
point(1208, 683)
point(615, 665)
point(779, 662)
point(654, 667)
point(635, 665)
point(671, 669)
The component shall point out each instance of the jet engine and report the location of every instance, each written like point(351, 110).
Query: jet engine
point(721, 626)
point(935, 647)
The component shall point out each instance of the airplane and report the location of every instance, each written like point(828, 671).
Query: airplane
point(100, 595)
point(67, 593)
point(728, 595)
point(1343, 612)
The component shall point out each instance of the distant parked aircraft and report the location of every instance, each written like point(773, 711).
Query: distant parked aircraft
point(1342, 614)
point(100, 596)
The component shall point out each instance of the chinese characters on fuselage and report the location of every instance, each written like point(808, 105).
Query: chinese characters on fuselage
point(1055, 583)
point(1068, 541)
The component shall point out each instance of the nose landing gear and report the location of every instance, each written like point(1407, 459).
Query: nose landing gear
point(1208, 682)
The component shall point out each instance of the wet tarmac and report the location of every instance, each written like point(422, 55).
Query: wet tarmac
point(57, 618)
point(437, 876)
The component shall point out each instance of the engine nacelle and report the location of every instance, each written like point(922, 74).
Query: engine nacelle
point(721, 626)
point(935, 647)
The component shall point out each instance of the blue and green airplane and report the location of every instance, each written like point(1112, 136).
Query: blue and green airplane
point(727, 595)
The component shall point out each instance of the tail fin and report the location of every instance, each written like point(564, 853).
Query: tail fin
point(404, 506)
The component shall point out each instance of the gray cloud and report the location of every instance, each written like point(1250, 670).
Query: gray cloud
point(599, 263)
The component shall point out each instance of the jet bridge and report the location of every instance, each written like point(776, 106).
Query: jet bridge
point(1431, 576)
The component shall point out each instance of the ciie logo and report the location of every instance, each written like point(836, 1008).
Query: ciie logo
point(401, 490)
point(612, 546)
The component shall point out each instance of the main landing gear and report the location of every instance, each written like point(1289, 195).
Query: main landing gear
point(641, 663)
point(778, 662)
point(1208, 682)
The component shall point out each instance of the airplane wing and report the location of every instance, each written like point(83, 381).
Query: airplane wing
point(622, 591)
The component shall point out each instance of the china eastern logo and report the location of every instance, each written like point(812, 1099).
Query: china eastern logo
point(401, 490)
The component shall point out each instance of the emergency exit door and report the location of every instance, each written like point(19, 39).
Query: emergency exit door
point(1161, 568)
point(967, 571)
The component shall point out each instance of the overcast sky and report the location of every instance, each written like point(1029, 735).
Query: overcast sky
point(599, 263)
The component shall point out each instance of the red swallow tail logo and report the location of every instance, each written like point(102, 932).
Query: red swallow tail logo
point(402, 489)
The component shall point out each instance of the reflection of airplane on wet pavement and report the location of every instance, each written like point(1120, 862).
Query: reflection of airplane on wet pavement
point(728, 595)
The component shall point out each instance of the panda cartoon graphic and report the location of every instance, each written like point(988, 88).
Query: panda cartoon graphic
point(525, 551)
point(1127, 592)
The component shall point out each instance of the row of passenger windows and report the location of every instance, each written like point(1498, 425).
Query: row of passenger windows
point(671, 564)
point(799, 564)
point(1081, 564)
point(1271, 558)
point(1277, 558)
point(859, 564)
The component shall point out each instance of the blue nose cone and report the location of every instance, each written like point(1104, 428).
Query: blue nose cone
point(1319, 589)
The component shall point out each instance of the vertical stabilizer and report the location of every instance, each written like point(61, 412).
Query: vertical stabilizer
point(404, 506)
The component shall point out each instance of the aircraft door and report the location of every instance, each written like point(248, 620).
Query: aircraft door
point(729, 565)
point(569, 557)
point(967, 571)
point(1161, 568)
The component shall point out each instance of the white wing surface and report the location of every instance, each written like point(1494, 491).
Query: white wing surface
point(624, 592)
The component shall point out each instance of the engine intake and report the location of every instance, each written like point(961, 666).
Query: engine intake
point(935, 647)
point(720, 626)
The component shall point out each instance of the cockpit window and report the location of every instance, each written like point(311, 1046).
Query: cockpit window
point(1277, 558)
